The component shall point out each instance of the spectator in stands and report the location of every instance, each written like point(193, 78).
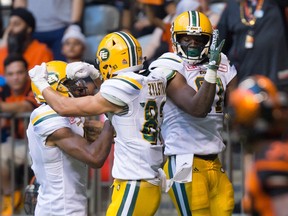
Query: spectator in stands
point(73, 44)
point(16, 97)
point(73, 48)
point(18, 37)
point(255, 38)
point(53, 17)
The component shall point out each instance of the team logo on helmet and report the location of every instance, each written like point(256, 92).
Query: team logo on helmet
point(52, 78)
point(104, 54)
point(195, 29)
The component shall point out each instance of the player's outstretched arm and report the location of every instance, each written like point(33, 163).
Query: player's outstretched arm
point(68, 106)
point(82, 106)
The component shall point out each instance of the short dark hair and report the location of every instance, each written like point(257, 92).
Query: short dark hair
point(15, 57)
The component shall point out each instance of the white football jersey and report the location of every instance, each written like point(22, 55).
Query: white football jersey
point(62, 178)
point(184, 134)
point(138, 150)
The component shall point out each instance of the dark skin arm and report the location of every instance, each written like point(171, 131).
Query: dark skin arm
point(185, 97)
point(93, 154)
point(77, 11)
point(92, 129)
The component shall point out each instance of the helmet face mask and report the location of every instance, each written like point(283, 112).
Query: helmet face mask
point(58, 81)
point(194, 46)
point(196, 24)
point(118, 51)
point(75, 88)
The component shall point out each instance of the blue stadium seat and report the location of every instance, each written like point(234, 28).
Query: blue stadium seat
point(92, 43)
point(144, 40)
point(100, 19)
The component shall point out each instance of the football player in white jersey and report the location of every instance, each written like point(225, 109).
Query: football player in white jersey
point(59, 151)
point(192, 144)
point(134, 98)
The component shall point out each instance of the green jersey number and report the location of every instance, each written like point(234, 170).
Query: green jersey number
point(150, 128)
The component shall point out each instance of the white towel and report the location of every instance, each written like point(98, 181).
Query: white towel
point(183, 172)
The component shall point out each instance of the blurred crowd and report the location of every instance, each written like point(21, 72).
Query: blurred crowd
point(36, 31)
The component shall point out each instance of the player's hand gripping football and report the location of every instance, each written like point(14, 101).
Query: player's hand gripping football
point(39, 75)
point(215, 51)
point(80, 70)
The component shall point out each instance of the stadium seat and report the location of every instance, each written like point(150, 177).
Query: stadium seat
point(144, 41)
point(92, 43)
point(100, 19)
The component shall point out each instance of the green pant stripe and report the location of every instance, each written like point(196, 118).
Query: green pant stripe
point(134, 199)
point(127, 200)
point(124, 199)
point(179, 191)
point(185, 198)
point(170, 171)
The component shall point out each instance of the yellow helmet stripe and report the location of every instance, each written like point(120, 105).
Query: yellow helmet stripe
point(43, 116)
point(134, 83)
point(131, 48)
point(194, 18)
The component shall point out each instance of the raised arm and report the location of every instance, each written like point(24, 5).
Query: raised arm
point(82, 106)
point(77, 11)
point(185, 97)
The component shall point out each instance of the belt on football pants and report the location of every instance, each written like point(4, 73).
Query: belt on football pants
point(207, 157)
